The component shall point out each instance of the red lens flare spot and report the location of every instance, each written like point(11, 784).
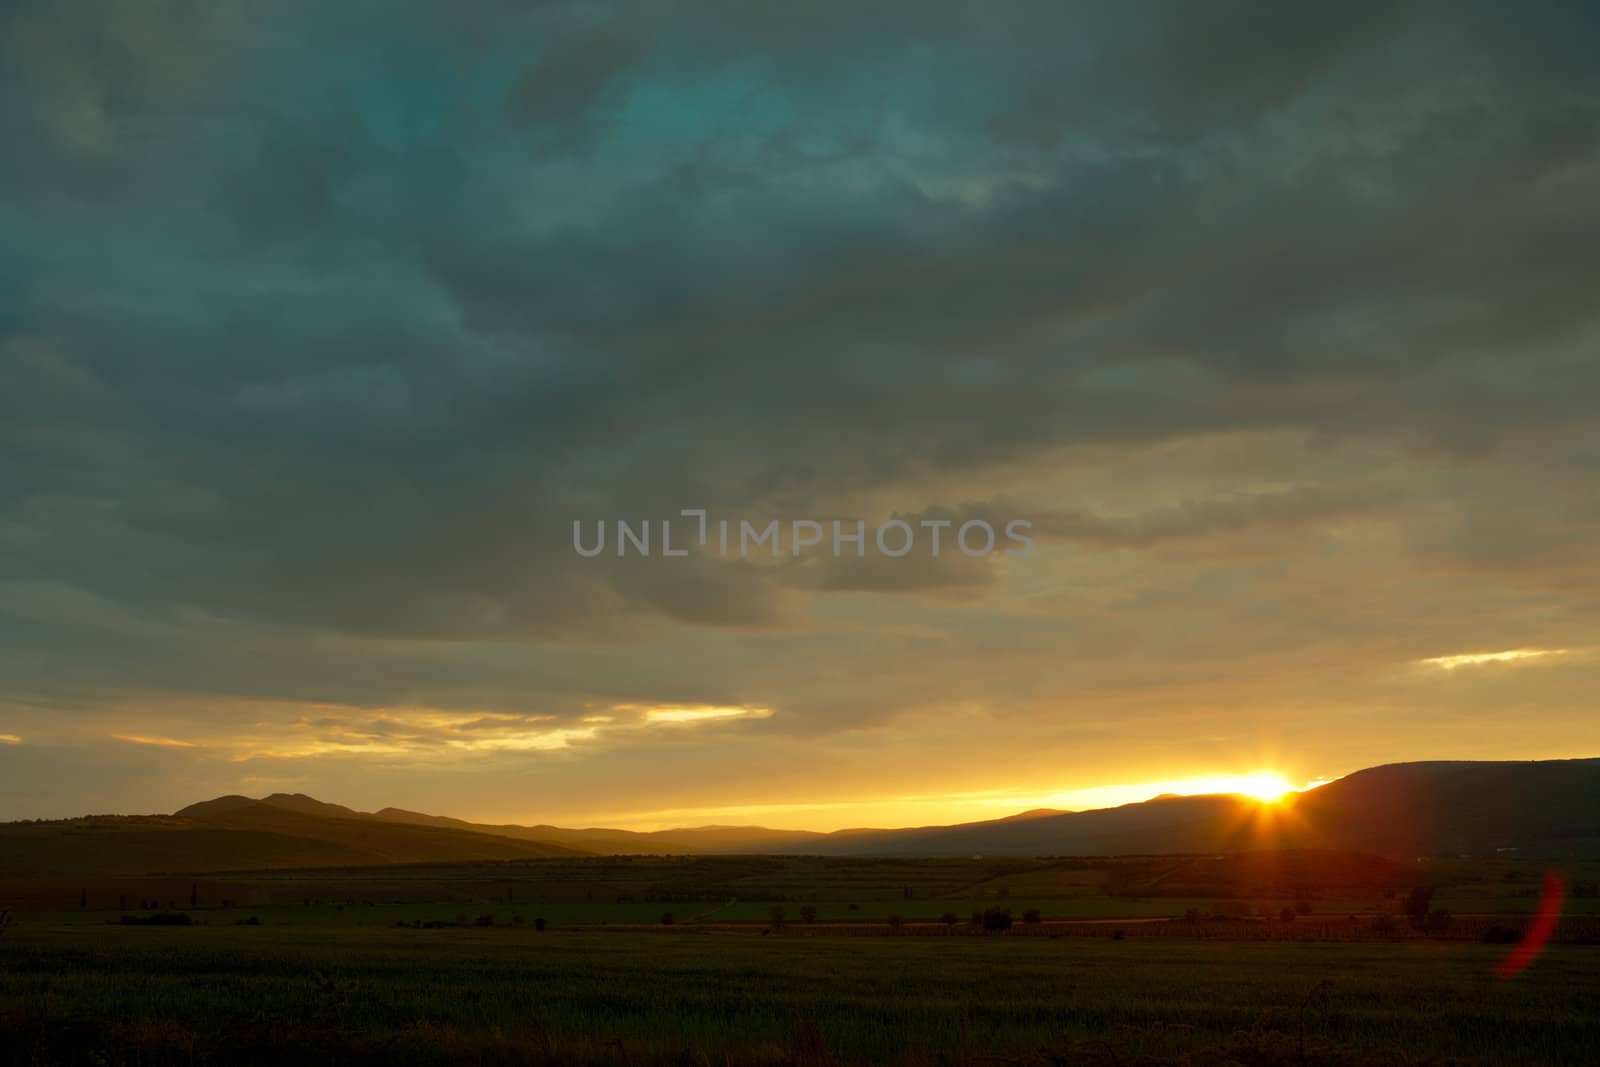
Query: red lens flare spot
point(1539, 931)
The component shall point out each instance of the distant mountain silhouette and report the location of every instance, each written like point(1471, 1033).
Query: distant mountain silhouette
point(1549, 808)
point(237, 833)
point(296, 802)
point(1544, 809)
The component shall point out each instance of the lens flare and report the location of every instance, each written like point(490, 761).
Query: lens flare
point(1539, 931)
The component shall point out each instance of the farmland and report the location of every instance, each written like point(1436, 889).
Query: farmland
point(573, 995)
point(795, 960)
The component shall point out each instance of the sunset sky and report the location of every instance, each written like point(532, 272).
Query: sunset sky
point(320, 325)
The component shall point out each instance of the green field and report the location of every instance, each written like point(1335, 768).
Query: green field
point(212, 992)
point(444, 963)
point(745, 888)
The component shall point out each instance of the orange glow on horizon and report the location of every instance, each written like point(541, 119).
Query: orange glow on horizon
point(930, 809)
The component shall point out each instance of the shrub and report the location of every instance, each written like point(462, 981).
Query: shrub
point(1383, 926)
point(1031, 916)
point(538, 924)
point(949, 918)
point(1286, 915)
point(1438, 921)
point(483, 920)
point(997, 919)
point(1417, 904)
point(777, 915)
point(808, 914)
point(1192, 915)
point(666, 918)
point(254, 920)
point(895, 921)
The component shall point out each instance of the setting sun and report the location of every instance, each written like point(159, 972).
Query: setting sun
point(1268, 787)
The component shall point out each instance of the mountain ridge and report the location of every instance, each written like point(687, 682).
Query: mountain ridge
point(1423, 806)
point(1400, 811)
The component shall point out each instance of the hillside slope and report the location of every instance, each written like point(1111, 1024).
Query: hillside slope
point(1544, 810)
point(235, 837)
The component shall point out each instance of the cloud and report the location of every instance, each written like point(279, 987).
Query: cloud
point(318, 330)
point(159, 742)
point(1478, 659)
point(691, 715)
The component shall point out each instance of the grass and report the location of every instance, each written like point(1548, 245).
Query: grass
point(327, 976)
point(208, 993)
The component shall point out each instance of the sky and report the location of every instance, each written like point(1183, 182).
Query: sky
point(322, 324)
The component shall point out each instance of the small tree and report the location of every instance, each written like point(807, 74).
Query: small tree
point(997, 919)
point(895, 921)
point(1417, 904)
point(538, 923)
point(949, 918)
point(1031, 916)
point(808, 914)
point(666, 918)
point(777, 915)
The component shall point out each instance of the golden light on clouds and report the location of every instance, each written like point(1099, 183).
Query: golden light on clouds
point(421, 734)
point(1478, 659)
point(693, 713)
point(159, 742)
point(531, 741)
point(10, 739)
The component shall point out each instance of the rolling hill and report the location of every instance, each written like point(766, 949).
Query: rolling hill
point(234, 834)
point(1544, 809)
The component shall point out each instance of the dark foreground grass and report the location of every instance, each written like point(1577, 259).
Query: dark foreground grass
point(72, 994)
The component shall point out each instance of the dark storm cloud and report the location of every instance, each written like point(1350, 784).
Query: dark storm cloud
point(333, 320)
